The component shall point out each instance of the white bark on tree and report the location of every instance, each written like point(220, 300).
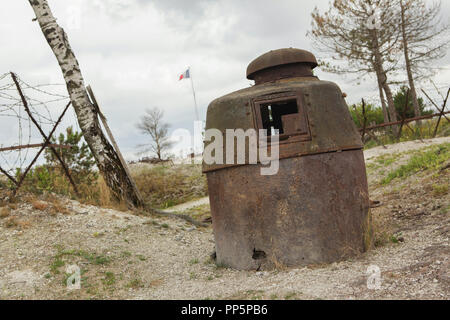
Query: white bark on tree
point(106, 157)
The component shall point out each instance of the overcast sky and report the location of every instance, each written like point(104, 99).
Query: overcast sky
point(132, 52)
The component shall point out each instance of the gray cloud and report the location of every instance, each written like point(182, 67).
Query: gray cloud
point(132, 52)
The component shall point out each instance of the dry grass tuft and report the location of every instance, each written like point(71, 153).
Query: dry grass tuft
point(13, 206)
point(58, 207)
point(162, 186)
point(156, 283)
point(369, 231)
point(165, 185)
point(382, 229)
point(23, 224)
point(278, 264)
point(440, 190)
point(14, 222)
point(11, 222)
point(104, 193)
point(39, 205)
point(5, 212)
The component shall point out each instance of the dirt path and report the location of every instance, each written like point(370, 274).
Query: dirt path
point(188, 205)
point(121, 255)
point(402, 147)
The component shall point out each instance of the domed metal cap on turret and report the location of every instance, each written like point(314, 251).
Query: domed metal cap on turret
point(280, 57)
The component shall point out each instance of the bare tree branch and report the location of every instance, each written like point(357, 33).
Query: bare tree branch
point(152, 124)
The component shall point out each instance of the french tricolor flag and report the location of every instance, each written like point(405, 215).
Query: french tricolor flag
point(185, 75)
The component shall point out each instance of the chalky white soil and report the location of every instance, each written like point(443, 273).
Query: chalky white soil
point(125, 256)
point(402, 147)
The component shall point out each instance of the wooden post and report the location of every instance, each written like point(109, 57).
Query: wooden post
point(113, 141)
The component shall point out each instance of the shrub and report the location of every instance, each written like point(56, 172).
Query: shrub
point(78, 157)
point(5, 212)
point(39, 205)
point(164, 186)
point(374, 114)
point(400, 100)
point(52, 178)
point(160, 185)
point(425, 131)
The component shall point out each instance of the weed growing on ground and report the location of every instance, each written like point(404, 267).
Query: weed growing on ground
point(429, 159)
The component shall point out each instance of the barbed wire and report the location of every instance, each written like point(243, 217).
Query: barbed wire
point(16, 126)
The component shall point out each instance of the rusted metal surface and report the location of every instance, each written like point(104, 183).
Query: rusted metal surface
point(329, 122)
point(295, 123)
point(282, 72)
point(291, 131)
point(37, 145)
point(279, 58)
point(389, 124)
point(315, 210)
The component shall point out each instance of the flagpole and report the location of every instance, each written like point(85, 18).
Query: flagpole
point(193, 93)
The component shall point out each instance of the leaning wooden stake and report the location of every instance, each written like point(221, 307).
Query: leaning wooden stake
point(106, 157)
point(146, 208)
point(113, 141)
point(363, 120)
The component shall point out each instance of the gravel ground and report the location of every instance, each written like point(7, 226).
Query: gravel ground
point(188, 205)
point(372, 153)
point(124, 256)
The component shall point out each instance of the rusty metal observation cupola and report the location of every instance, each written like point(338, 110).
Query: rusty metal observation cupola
point(315, 209)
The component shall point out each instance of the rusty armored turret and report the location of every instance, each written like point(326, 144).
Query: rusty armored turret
point(315, 209)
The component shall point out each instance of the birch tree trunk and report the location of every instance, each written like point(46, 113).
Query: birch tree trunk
point(106, 157)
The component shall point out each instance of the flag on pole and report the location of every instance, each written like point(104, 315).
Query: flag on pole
point(185, 75)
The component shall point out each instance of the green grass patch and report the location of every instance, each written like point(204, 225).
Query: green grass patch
point(428, 159)
point(290, 296)
point(56, 264)
point(109, 278)
point(396, 238)
point(388, 159)
point(135, 283)
point(440, 189)
point(126, 254)
point(200, 212)
point(141, 257)
point(62, 255)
